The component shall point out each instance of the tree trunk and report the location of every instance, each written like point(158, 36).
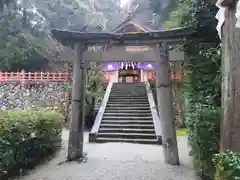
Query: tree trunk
point(230, 127)
point(75, 145)
point(165, 107)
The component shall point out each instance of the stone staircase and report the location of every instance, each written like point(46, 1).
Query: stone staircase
point(127, 116)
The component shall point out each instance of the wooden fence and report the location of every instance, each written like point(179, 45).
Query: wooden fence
point(34, 77)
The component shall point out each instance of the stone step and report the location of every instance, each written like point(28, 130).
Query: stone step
point(129, 102)
point(127, 96)
point(142, 114)
point(126, 117)
point(128, 108)
point(105, 121)
point(133, 126)
point(127, 140)
point(140, 88)
point(127, 135)
point(126, 130)
point(142, 98)
point(128, 85)
point(127, 105)
point(128, 91)
point(107, 110)
point(137, 90)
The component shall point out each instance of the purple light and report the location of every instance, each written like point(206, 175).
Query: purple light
point(112, 66)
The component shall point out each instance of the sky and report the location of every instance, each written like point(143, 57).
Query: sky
point(124, 2)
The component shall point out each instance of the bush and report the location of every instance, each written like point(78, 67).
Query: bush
point(202, 95)
point(203, 131)
point(227, 166)
point(26, 137)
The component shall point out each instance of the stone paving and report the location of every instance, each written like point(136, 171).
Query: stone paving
point(116, 161)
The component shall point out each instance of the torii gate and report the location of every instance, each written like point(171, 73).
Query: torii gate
point(159, 41)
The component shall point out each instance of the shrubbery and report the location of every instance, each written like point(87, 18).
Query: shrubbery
point(203, 132)
point(202, 91)
point(26, 137)
point(227, 166)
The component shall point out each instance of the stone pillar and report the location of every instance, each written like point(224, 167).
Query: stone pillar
point(75, 145)
point(165, 106)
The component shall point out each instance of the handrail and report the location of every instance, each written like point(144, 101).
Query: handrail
point(98, 119)
point(154, 112)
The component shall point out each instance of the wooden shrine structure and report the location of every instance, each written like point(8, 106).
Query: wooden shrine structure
point(118, 69)
point(159, 41)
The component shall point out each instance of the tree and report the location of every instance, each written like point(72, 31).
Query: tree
point(159, 9)
point(230, 86)
point(15, 52)
point(202, 87)
point(4, 3)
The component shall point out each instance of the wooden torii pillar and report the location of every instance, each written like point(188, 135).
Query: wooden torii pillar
point(81, 41)
point(76, 139)
point(165, 105)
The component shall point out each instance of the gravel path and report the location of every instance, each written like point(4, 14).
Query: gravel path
point(116, 161)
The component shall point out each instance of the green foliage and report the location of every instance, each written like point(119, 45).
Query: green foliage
point(203, 123)
point(159, 9)
point(202, 88)
point(26, 137)
point(25, 36)
point(15, 52)
point(94, 94)
point(182, 15)
point(227, 166)
point(75, 14)
point(94, 85)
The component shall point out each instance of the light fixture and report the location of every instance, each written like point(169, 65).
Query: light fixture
point(149, 66)
point(110, 67)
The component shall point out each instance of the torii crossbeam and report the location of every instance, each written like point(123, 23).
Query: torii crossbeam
point(160, 39)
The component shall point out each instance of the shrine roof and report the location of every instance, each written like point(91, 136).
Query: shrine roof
point(72, 37)
point(137, 24)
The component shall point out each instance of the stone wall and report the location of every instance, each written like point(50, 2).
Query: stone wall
point(18, 96)
point(48, 95)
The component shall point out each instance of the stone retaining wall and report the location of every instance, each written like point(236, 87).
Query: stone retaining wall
point(47, 95)
point(18, 96)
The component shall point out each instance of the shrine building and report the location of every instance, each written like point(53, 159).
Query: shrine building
point(127, 71)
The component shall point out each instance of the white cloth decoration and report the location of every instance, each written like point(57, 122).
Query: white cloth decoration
point(220, 16)
point(237, 14)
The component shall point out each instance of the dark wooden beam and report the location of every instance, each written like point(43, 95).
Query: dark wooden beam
point(71, 37)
